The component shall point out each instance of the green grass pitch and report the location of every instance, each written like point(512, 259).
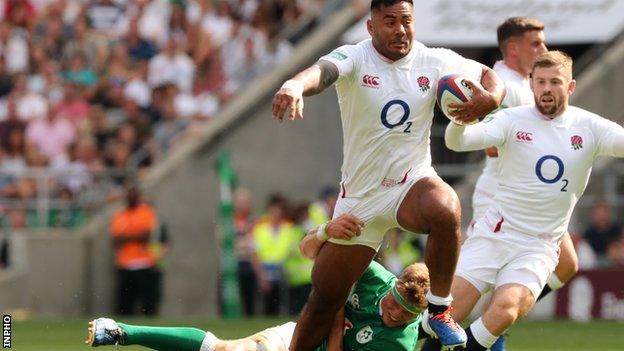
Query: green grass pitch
point(69, 334)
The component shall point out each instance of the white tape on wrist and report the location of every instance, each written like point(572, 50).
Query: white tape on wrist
point(320, 232)
point(293, 85)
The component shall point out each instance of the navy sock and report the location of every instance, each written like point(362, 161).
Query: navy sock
point(473, 344)
point(436, 309)
point(544, 292)
point(431, 344)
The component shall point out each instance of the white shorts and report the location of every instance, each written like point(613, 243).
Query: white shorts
point(378, 210)
point(277, 338)
point(489, 260)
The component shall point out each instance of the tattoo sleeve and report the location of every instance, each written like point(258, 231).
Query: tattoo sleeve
point(328, 76)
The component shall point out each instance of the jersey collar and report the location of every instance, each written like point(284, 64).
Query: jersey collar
point(558, 121)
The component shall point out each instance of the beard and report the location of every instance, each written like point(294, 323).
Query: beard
point(549, 108)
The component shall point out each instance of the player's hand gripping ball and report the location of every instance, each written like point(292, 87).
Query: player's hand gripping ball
point(453, 89)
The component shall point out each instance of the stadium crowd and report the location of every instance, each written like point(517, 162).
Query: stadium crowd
point(93, 90)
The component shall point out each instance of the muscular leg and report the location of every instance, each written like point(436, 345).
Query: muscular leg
point(336, 268)
point(509, 303)
point(431, 206)
point(566, 268)
point(465, 296)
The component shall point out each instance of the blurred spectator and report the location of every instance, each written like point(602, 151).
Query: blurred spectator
point(13, 48)
point(83, 42)
point(323, 210)
point(29, 105)
point(68, 215)
point(172, 65)
point(138, 47)
point(131, 229)
point(603, 230)
point(250, 273)
point(169, 128)
point(10, 123)
point(274, 239)
point(73, 107)
point(78, 72)
point(298, 268)
point(47, 81)
point(52, 136)
point(615, 254)
point(106, 16)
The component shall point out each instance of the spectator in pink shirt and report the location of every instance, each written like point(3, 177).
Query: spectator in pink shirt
point(74, 107)
point(52, 136)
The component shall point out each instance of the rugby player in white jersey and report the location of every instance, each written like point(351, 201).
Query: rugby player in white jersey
point(546, 155)
point(386, 90)
point(520, 40)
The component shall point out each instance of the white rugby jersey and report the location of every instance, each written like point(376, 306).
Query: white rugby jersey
point(544, 165)
point(387, 110)
point(518, 93)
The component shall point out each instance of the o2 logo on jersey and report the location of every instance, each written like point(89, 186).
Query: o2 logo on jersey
point(406, 112)
point(560, 168)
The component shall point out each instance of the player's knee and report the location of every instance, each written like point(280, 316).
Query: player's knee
point(444, 211)
point(505, 314)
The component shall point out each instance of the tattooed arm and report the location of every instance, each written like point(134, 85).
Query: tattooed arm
point(310, 81)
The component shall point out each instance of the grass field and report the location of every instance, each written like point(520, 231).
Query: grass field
point(69, 335)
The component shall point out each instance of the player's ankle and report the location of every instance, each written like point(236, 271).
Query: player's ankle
point(438, 304)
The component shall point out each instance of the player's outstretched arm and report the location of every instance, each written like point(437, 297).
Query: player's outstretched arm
point(344, 227)
point(484, 100)
point(310, 81)
point(466, 138)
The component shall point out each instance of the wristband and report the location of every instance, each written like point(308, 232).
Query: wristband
point(320, 232)
point(294, 85)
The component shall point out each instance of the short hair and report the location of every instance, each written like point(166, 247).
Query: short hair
point(377, 4)
point(276, 199)
point(413, 284)
point(554, 58)
point(515, 27)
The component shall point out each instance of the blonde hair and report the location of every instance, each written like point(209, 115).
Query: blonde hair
point(413, 284)
point(554, 58)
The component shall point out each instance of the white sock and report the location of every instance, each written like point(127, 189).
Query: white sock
point(209, 343)
point(553, 282)
point(482, 335)
point(437, 300)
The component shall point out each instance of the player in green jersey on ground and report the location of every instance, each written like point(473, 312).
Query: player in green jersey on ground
point(382, 312)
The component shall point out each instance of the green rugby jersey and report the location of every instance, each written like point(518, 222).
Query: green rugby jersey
point(362, 311)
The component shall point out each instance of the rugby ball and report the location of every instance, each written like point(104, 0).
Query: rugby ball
point(452, 89)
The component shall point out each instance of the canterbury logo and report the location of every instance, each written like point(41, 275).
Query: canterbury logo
point(371, 81)
point(524, 137)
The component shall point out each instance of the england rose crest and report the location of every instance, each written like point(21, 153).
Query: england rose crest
point(577, 142)
point(423, 83)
